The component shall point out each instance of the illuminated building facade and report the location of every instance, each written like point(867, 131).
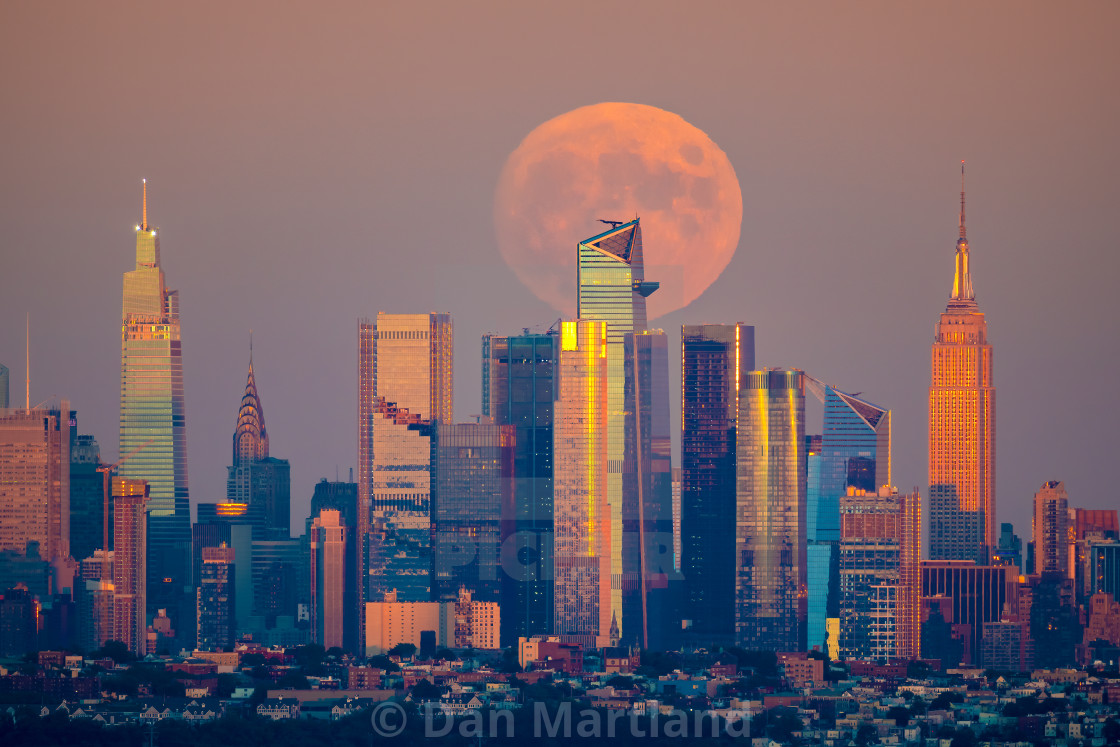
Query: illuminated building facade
point(94, 592)
point(770, 567)
point(35, 480)
point(715, 360)
point(962, 424)
point(257, 480)
point(1051, 529)
point(153, 427)
point(582, 552)
point(328, 578)
point(879, 568)
point(215, 597)
point(472, 480)
point(1104, 568)
point(612, 288)
point(519, 375)
point(405, 368)
point(650, 582)
point(855, 452)
point(130, 556)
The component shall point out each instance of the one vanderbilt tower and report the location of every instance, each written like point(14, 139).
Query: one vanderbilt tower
point(962, 424)
point(153, 433)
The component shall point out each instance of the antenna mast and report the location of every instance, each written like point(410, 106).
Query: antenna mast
point(27, 393)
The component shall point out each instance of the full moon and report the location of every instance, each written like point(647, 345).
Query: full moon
point(618, 161)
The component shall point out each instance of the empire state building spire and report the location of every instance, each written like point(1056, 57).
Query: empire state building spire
point(962, 297)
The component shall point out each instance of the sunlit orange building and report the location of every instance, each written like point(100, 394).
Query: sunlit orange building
point(962, 424)
point(582, 549)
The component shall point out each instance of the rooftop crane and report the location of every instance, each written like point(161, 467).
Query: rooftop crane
point(105, 469)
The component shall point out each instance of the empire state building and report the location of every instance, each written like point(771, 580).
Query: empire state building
point(962, 424)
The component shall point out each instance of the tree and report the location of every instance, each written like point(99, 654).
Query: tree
point(425, 690)
point(444, 654)
point(620, 682)
point(866, 734)
point(510, 662)
point(917, 670)
point(381, 661)
point(403, 650)
point(293, 680)
point(900, 714)
point(116, 651)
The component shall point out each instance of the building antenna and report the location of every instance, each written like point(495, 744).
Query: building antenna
point(962, 199)
point(250, 348)
point(27, 392)
point(144, 219)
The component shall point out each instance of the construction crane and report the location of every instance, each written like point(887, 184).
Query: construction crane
point(612, 223)
point(105, 469)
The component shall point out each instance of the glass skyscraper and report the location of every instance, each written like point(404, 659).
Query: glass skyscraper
point(519, 388)
point(153, 424)
point(582, 554)
point(855, 452)
point(962, 424)
point(405, 363)
point(770, 567)
point(612, 288)
point(715, 360)
point(472, 480)
point(650, 582)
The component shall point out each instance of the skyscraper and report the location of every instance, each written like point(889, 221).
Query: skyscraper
point(879, 568)
point(153, 419)
point(582, 552)
point(4, 390)
point(216, 599)
point(1051, 529)
point(86, 497)
point(716, 359)
point(472, 482)
point(328, 577)
point(770, 568)
point(612, 288)
point(255, 479)
point(650, 582)
point(973, 594)
point(962, 424)
point(35, 480)
point(130, 535)
point(519, 375)
point(405, 367)
point(855, 452)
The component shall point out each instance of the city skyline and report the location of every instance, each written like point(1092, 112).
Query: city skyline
point(867, 212)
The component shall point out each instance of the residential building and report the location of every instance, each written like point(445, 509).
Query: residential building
point(216, 590)
point(35, 480)
point(130, 557)
point(328, 577)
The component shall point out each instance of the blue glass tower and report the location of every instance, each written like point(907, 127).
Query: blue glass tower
point(855, 451)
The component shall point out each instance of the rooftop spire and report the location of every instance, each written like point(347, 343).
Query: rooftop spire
point(962, 200)
point(963, 297)
point(144, 216)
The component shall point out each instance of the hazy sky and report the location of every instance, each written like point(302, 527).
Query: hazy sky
point(312, 163)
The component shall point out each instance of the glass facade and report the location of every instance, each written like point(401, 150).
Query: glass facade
point(715, 360)
point(612, 288)
point(87, 498)
point(975, 595)
point(472, 467)
point(582, 553)
point(854, 452)
point(404, 387)
point(870, 550)
point(650, 582)
point(520, 389)
point(153, 431)
point(770, 566)
point(962, 425)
